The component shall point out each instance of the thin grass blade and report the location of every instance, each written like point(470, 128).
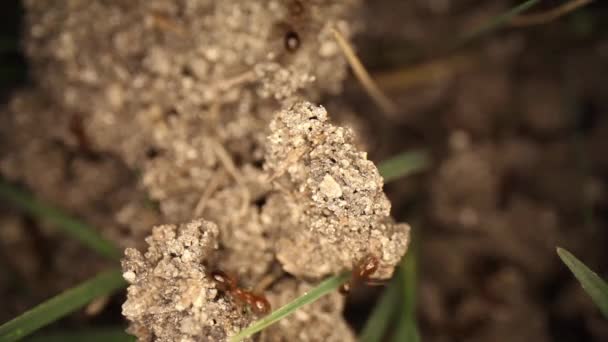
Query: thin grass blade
point(591, 282)
point(379, 320)
point(71, 300)
point(494, 23)
point(407, 332)
point(76, 229)
point(407, 329)
point(403, 165)
point(329, 285)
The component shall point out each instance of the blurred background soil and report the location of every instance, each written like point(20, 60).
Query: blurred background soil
point(516, 126)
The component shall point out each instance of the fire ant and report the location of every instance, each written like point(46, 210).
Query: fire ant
point(225, 283)
point(361, 274)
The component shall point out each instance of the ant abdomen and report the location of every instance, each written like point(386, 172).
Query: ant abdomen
point(261, 305)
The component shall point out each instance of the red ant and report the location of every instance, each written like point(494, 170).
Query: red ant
point(361, 274)
point(225, 283)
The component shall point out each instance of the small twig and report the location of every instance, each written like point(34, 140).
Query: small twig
point(228, 164)
point(211, 187)
point(550, 15)
point(363, 76)
point(246, 77)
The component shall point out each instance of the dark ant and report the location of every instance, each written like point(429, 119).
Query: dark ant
point(361, 273)
point(298, 24)
point(225, 283)
point(294, 26)
point(292, 41)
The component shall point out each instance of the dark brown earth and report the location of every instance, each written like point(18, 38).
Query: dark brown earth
point(514, 121)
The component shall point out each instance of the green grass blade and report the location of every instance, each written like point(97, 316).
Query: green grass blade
point(380, 318)
point(71, 300)
point(111, 334)
point(403, 165)
point(327, 286)
point(78, 230)
point(407, 329)
point(408, 281)
point(591, 282)
point(407, 332)
point(494, 23)
point(399, 298)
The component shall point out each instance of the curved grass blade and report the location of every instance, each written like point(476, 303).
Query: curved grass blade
point(71, 300)
point(327, 286)
point(376, 326)
point(368, 83)
point(591, 282)
point(550, 15)
point(110, 334)
point(78, 230)
point(407, 332)
point(399, 298)
point(404, 164)
point(407, 329)
point(494, 23)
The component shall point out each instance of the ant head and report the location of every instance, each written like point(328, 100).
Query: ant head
point(367, 266)
point(223, 281)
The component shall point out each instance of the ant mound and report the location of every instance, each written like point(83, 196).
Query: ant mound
point(156, 64)
point(332, 207)
point(171, 296)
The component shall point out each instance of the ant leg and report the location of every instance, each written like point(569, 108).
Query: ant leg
point(375, 282)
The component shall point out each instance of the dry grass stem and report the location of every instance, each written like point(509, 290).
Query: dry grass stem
point(407, 77)
point(228, 164)
point(211, 187)
point(230, 83)
point(363, 76)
